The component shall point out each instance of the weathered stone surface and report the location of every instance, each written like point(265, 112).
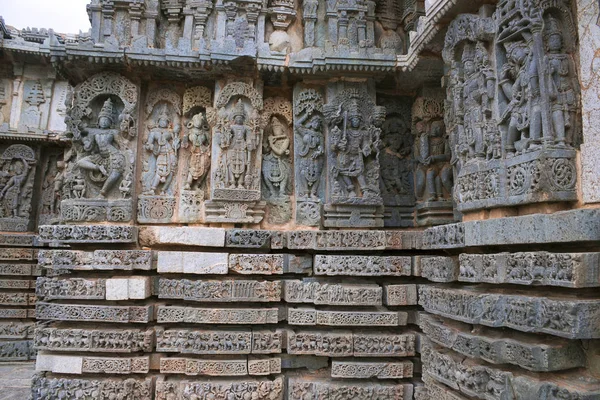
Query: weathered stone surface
point(103, 389)
point(436, 268)
point(258, 264)
point(97, 260)
point(404, 240)
point(131, 288)
point(171, 314)
point(302, 388)
point(337, 240)
point(19, 270)
point(371, 369)
point(74, 288)
point(568, 316)
point(56, 234)
point(188, 366)
point(71, 312)
point(17, 350)
point(532, 268)
point(400, 295)
point(445, 236)
point(94, 340)
point(182, 236)
point(94, 365)
point(191, 263)
point(16, 330)
point(263, 389)
point(308, 316)
point(219, 291)
point(247, 238)
point(16, 284)
point(526, 351)
point(313, 291)
point(485, 382)
point(17, 299)
point(10, 313)
point(363, 265)
point(434, 390)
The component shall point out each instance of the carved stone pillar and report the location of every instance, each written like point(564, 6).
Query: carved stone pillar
point(309, 18)
point(353, 146)
point(236, 154)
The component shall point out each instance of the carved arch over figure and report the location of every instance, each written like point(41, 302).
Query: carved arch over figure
point(197, 96)
point(163, 94)
point(240, 89)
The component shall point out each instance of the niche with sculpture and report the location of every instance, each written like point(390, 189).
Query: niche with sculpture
point(18, 165)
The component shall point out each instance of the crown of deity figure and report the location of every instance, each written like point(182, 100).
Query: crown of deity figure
point(164, 115)
point(238, 109)
point(552, 28)
point(107, 110)
point(468, 53)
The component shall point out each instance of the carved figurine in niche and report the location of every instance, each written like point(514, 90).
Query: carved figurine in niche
point(238, 143)
point(432, 153)
point(562, 84)
point(311, 151)
point(11, 193)
point(163, 143)
point(106, 163)
point(352, 145)
point(519, 81)
point(276, 165)
point(478, 92)
point(198, 138)
point(396, 162)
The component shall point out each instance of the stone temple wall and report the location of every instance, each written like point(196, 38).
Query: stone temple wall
point(265, 200)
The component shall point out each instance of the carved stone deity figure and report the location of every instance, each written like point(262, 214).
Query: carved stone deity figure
point(562, 84)
point(519, 82)
point(352, 144)
point(198, 138)
point(163, 143)
point(238, 143)
point(12, 191)
point(478, 92)
point(106, 163)
point(276, 167)
point(432, 153)
point(310, 148)
point(395, 159)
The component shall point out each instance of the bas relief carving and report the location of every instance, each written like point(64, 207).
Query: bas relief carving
point(99, 168)
point(237, 155)
point(17, 174)
point(161, 145)
point(513, 96)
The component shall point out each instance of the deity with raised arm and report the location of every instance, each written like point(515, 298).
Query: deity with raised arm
point(199, 138)
point(310, 149)
point(276, 165)
point(105, 159)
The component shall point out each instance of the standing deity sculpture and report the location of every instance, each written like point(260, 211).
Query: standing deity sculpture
point(352, 144)
point(432, 153)
point(395, 159)
point(106, 163)
point(238, 143)
point(562, 85)
point(276, 167)
point(12, 191)
point(198, 140)
point(310, 147)
point(163, 144)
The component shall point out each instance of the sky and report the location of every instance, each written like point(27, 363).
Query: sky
point(64, 16)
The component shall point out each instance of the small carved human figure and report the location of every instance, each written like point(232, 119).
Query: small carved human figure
point(199, 138)
point(164, 143)
point(352, 144)
point(310, 149)
point(396, 164)
point(562, 84)
point(238, 144)
point(432, 153)
point(276, 166)
point(78, 187)
point(105, 159)
point(11, 192)
point(520, 84)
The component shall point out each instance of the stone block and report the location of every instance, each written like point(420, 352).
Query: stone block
point(319, 343)
point(264, 366)
point(189, 366)
point(16, 284)
point(531, 352)
point(448, 236)
point(294, 264)
point(312, 363)
point(117, 289)
point(400, 295)
point(337, 240)
point(308, 316)
point(17, 269)
point(367, 369)
point(436, 268)
point(139, 287)
point(362, 265)
point(404, 240)
point(315, 292)
point(220, 291)
point(204, 341)
point(59, 364)
point(16, 330)
point(89, 313)
point(12, 313)
point(127, 260)
point(267, 342)
point(325, 389)
point(17, 350)
point(249, 238)
point(571, 316)
point(178, 262)
point(247, 388)
point(111, 365)
point(94, 340)
point(182, 236)
point(257, 264)
point(171, 314)
point(17, 254)
point(110, 388)
point(59, 234)
point(384, 344)
point(74, 288)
